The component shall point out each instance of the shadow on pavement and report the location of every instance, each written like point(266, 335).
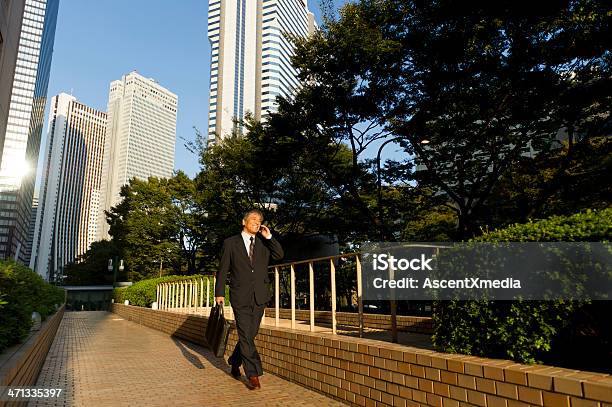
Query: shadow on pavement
point(190, 350)
point(189, 355)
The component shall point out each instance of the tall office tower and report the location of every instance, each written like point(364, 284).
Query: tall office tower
point(24, 125)
point(67, 218)
point(11, 17)
point(140, 137)
point(250, 63)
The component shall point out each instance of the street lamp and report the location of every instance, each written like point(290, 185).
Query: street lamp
point(393, 303)
point(121, 268)
point(112, 266)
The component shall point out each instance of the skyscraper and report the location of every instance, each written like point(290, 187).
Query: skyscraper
point(11, 17)
point(140, 137)
point(66, 223)
point(250, 62)
point(24, 125)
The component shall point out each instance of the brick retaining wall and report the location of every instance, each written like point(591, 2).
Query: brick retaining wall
point(373, 373)
point(404, 323)
point(20, 365)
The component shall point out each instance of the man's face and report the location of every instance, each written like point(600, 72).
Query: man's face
point(252, 223)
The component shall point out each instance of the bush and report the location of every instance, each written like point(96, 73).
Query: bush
point(143, 293)
point(533, 331)
point(22, 292)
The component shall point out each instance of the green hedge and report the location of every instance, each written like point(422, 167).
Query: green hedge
point(589, 226)
point(22, 292)
point(143, 293)
point(533, 331)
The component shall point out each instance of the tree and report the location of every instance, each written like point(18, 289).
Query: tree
point(481, 83)
point(189, 214)
point(158, 220)
point(526, 192)
point(260, 169)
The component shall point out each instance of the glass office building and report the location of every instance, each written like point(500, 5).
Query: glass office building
point(67, 219)
point(140, 137)
point(24, 127)
point(251, 57)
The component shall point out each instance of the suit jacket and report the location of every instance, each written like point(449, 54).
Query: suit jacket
point(244, 280)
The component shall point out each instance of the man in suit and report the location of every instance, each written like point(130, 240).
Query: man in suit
point(246, 257)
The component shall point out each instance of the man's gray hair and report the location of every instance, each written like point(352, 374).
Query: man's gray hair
point(254, 210)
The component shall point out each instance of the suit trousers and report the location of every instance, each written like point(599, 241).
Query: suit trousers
point(248, 318)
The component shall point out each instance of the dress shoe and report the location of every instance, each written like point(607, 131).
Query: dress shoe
point(254, 383)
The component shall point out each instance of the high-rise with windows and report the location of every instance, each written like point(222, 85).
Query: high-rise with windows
point(140, 137)
point(66, 222)
point(11, 17)
point(24, 125)
point(251, 57)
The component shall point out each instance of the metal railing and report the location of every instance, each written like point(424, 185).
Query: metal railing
point(185, 294)
point(192, 295)
point(189, 294)
point(311, 281)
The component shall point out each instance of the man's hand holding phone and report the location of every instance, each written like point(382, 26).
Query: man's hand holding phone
point(265, 231)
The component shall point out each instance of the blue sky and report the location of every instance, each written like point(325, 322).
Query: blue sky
point(97, 42)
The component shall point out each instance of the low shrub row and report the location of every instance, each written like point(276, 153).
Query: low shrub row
point(565, 333)
point(22, 292)
point(144, 292)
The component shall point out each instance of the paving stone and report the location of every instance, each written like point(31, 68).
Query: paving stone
point(99, 359)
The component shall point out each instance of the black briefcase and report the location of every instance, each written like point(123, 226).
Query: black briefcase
point(219, 328)
point(211, 325)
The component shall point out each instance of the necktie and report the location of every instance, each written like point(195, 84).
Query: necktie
point(251, 251)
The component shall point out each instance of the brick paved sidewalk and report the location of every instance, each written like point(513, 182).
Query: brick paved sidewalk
point(100, 359)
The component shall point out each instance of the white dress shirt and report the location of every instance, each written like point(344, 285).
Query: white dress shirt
point(246, 238)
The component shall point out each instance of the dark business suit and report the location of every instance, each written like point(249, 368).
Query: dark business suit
point(248, 293)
